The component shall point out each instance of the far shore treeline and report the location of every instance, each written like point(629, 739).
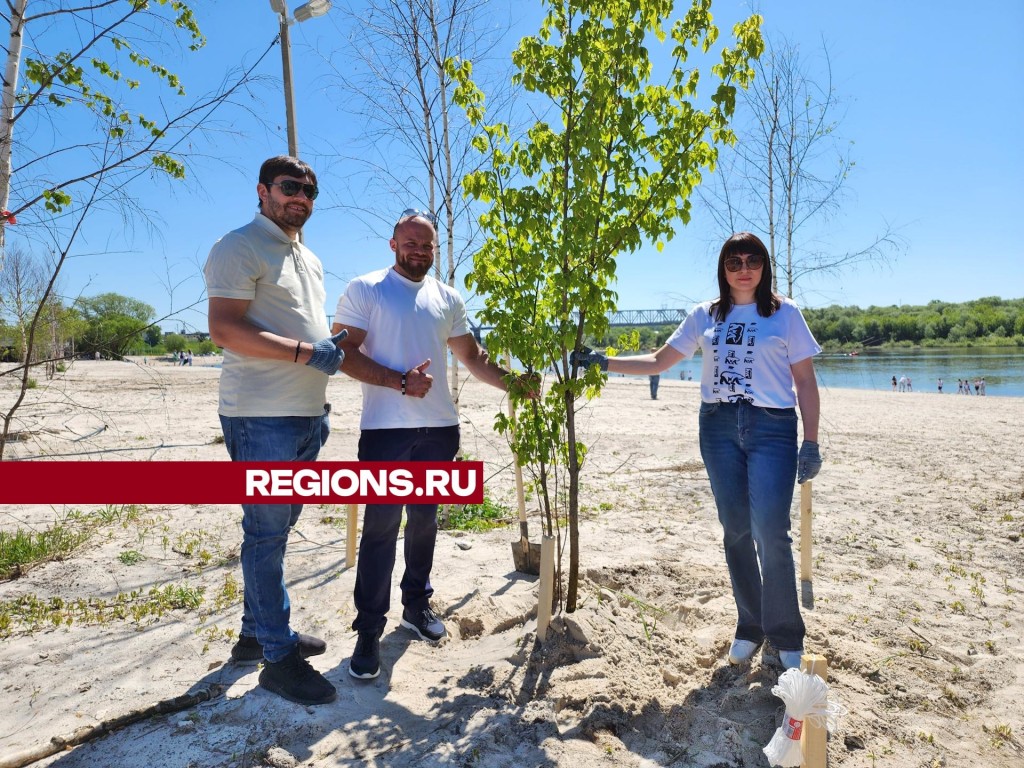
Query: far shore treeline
point(116, 326)
point(984, 322)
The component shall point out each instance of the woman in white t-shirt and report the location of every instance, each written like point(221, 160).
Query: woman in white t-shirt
point(756, 348)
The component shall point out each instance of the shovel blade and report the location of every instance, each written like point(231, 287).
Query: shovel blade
point(526, 557)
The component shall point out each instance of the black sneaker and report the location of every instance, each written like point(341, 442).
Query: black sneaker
point(424, 623)
point(293, 678)
point(365, 661)
point(249, 651)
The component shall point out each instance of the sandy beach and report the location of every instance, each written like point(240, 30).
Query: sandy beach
point(916, 599)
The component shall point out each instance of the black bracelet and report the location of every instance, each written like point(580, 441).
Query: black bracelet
point(404, 377)
point(298, 346)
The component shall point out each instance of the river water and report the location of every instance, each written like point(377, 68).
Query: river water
point(1001, 367)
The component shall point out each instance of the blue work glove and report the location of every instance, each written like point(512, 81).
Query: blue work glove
point(327, 357)
point(808, 462)
point(586, 357)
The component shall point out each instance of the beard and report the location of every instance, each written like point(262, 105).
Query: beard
point(287, 215)
point(413, 268)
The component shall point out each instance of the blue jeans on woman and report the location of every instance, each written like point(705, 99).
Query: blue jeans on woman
point(750, 454)
point(266, 610)
point(381, 522)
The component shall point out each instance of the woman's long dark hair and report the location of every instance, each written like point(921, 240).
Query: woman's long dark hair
point(767, 300)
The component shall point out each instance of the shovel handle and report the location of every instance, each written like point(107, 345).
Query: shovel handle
point(520, 495)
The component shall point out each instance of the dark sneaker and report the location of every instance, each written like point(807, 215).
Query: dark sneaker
point(365, 661)
point(249, 651)
point(424, 623)
point(293, 678)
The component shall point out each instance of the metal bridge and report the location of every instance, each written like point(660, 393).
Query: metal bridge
point(632, 317)
point(619, 319)
point(646, 317)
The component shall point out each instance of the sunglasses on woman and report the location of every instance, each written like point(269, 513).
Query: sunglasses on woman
point(291, 188)
point(752, 262)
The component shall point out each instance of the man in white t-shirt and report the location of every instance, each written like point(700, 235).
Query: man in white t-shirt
point(266, 310)
point(401, 322)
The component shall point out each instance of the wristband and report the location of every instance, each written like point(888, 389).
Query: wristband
point(298, 346)
point(404, 377)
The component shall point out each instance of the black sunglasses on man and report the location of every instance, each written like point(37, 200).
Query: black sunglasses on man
point(291, 188)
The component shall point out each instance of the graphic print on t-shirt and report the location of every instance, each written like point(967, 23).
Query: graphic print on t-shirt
point(734, 361)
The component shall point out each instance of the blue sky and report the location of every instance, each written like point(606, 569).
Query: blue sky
point(932, 98)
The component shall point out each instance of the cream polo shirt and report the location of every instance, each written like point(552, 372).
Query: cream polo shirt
point(406, 322)
point(284, 284)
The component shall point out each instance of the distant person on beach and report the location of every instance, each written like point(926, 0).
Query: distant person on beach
point(977, 387)
point(982, 385)
point(756, 347)
point(959, 386)
point(967, 386)
point(893, 383)
point(654, 379)
point(903, 384)
point(266, 310)
point(401, 322)
point(940, 385)
point(910, 385)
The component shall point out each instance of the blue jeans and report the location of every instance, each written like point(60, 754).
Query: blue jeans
point(379, 540)
point(750, 455)
point(265, 527)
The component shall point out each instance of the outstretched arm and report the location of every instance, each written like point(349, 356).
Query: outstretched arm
point(468, 352)
point(475, 358)
point(649, 364)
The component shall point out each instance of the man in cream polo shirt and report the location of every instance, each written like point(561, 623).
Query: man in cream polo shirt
point(266, 309)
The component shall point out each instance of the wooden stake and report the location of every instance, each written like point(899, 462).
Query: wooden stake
point(547, 583)
point(805, 531)
point(350, 542)
point(814, 741)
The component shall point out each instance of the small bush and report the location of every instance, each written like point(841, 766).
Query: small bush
point(477, 517)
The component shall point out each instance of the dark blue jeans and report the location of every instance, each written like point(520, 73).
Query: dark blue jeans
point(266, 610)
point(381, 522)
point(750, 456)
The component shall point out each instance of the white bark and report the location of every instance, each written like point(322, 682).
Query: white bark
point(10, 85)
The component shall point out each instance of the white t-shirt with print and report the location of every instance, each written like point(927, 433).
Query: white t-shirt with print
point(406, 322)
point(746, 356)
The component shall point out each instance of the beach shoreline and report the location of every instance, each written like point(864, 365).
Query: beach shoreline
point(918, 573)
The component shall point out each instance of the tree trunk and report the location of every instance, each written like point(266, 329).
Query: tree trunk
point(7, 111)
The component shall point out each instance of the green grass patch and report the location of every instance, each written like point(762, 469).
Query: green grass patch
point(31, 613)
point(131, 557)
point(24, 548)
point(477, 517)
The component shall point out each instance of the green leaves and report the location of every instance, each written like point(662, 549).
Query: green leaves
point(55, 200)
point(611, 170)
point(89, 66)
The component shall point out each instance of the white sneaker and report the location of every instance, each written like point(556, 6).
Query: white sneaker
point(791, 659)
point(742, 651)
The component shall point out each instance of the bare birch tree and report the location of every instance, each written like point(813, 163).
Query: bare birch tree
point(786, 175)
point(79, 80)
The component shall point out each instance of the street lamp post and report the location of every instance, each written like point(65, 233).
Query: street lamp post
point(309, 10)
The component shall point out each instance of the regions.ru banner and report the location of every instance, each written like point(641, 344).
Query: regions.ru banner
point(229, 482)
